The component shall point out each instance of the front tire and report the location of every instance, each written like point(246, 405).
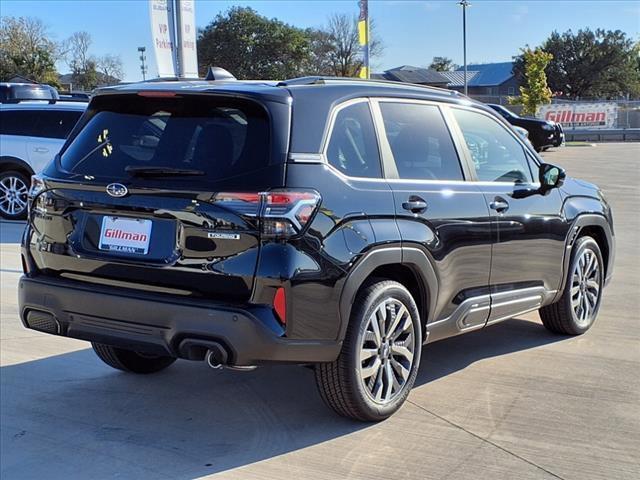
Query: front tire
point(378, 364)
point(577, 308)
point(130, 361)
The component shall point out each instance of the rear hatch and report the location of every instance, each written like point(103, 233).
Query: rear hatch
point(137, 198)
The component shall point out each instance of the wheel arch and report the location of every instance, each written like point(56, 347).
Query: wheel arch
point(14, 163)
point(409, 266)
point(594, 225)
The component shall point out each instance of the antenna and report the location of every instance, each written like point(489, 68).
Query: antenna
point(217, 73)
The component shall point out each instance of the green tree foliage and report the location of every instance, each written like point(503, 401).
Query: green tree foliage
point(252, 46)
point(590, 64)
point(27, 50)
point(442, 64)
point(535, 92)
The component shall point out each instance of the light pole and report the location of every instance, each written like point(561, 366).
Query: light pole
point(464, 4)
point(143, 67)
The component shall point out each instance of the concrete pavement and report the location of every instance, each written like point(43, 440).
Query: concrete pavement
point(510, 402)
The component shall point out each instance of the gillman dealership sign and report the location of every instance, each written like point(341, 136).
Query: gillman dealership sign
point(581, 115)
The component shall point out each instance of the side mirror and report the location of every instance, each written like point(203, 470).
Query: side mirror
point(551, 176)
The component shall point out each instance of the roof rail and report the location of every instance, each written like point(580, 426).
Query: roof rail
point(323, 80)
point(213, 73)
point(50, 101)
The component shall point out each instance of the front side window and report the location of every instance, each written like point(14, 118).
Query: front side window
point(353, 148)
point(497, 156)
point(420, 142)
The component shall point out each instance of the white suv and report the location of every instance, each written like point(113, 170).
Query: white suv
point(31, 134)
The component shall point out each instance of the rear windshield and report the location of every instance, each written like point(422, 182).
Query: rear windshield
point(216, 137)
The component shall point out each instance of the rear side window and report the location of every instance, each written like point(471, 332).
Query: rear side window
point(18, 122)
point(420, 142)
point(497, 156)
point(56, 123)
point(217, 137)
point(353, 148)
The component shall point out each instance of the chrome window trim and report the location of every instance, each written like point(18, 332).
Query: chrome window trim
point(452, 124)
point(305, 157)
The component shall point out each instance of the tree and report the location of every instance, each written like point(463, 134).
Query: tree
point(442, 64)
point(600, 64)
point(320, 50)
point(26, 49)
point(110, 66)
point(338, 48)
point(536, 92)
point(82, 64)
point(252, 46)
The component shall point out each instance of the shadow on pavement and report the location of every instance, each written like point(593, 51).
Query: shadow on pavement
point(11, 232)
point(71, 416)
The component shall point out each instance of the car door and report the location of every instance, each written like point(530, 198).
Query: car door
point(529, 230)
point(437, 210)
point(52, 128)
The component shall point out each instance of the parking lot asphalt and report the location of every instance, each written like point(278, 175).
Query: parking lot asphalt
point(510, 402)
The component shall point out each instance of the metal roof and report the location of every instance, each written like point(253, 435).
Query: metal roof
point(489, 74)
point(411, 74)
point(456, 79)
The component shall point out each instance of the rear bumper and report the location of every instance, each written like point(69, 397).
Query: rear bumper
point(151, 324)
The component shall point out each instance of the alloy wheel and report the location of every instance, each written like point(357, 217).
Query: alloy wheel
point(13, 195)
point(585, 287)
point(387, 351)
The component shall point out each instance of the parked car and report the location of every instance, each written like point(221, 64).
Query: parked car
point(558, 138)
point(76, 95)
point(15, 92)
point(522, 132)
point(339, 223)
point(31, 133)
point(542, 133)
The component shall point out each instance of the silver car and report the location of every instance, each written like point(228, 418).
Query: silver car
point(31, 134)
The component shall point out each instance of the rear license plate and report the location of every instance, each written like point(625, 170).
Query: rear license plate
point(125, 235)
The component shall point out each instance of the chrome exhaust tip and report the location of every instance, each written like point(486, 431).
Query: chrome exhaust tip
point(212, 358)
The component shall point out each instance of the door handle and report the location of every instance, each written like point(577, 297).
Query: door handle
point(415, 205)
point(499, 205)
point(41, 150)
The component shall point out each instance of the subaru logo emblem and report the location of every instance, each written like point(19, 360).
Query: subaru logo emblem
point(117, 190)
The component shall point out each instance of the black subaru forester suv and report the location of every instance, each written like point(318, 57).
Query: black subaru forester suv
point(337, 223)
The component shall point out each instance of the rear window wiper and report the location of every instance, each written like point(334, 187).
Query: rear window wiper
point(162, 171)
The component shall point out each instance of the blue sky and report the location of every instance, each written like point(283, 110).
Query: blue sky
point(412, 31)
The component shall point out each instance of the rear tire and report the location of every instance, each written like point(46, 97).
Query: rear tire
point(14, 187)
point(577, 309)
point(130, 361)
point(378, 364)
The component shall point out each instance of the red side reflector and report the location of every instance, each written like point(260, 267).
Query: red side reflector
point(156, 94)
point(280, 305)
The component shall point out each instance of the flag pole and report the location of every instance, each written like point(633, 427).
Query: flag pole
point(363, 37)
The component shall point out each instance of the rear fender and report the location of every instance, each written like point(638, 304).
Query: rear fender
point(411, 257)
